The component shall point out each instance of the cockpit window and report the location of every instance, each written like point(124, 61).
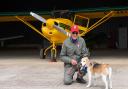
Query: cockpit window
point(64, 26)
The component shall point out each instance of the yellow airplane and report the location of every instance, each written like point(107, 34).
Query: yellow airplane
point(56, 30)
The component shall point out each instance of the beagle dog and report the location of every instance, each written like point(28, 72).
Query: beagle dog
point(93, 69)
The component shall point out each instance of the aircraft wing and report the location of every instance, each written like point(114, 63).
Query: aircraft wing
point(102, 14)
point(10, 16)
point(89, 12)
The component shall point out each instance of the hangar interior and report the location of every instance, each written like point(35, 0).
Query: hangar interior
point(112, 34)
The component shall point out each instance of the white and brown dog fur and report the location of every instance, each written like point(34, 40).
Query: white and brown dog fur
point(103, 70)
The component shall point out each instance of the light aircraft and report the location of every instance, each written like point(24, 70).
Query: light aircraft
point(56, 30)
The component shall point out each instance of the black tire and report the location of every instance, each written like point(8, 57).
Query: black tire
point(42, 56)
point(53, 55)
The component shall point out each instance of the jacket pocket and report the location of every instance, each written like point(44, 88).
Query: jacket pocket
point(70, 51)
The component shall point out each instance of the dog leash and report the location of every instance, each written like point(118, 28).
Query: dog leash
point(77, 67)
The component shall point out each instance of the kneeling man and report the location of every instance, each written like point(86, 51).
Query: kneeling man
point(73, 50)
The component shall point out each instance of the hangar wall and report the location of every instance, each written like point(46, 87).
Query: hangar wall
point(112, 34)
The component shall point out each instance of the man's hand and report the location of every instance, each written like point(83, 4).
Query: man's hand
point(73, 62)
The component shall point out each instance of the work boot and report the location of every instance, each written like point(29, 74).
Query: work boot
point(80, 80)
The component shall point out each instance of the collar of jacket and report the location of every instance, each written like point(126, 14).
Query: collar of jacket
point(74, 41)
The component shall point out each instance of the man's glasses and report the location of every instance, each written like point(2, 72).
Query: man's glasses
point(75, 33)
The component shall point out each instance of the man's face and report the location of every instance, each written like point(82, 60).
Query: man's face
point(74, 35)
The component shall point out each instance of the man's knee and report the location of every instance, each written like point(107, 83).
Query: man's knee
point(67, 82)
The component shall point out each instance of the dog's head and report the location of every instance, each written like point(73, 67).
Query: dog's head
point(85, 61)
point(84, 64)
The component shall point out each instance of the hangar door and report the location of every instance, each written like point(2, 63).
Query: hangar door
point(122, 37)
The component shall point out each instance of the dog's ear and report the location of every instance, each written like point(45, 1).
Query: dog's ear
point(87, 59)
point(91, 63)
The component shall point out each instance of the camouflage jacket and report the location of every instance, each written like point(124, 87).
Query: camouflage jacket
point(71, 51)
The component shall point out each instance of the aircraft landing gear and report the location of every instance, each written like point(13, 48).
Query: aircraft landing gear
point(42, 55)
point(53, 53)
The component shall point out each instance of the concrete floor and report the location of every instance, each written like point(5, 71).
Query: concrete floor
point(23, 69)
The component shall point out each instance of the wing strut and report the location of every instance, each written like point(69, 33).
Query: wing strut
point(99, 22)
point(31, 26)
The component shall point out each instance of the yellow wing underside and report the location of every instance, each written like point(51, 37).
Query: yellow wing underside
point(4, 18)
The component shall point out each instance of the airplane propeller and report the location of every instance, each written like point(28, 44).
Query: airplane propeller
point(60, 29)
point(38, 17)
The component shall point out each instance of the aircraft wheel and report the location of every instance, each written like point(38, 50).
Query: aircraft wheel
point(42, 56)
point(53, 56)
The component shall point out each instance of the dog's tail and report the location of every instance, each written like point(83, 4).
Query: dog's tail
point(110, 76)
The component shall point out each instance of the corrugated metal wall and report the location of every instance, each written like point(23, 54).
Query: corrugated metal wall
point(111, 30)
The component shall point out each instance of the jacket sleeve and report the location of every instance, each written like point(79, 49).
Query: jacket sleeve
point(85, 51)
point(63, 55)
